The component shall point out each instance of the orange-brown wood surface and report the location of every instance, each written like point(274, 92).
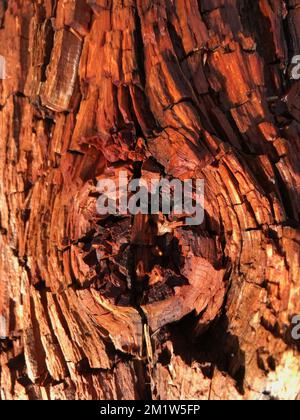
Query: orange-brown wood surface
point(143, 307)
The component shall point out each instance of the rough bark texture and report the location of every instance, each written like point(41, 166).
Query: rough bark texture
point(142, 307)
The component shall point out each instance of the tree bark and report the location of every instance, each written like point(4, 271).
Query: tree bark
point(143, 307)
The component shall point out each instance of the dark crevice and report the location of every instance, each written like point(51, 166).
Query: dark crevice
point(3, 8)
point(215, 347)
point(49, 43)
point(140, 54)
point(285, 195)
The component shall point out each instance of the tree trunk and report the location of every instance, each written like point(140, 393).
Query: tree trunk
point(143, 307)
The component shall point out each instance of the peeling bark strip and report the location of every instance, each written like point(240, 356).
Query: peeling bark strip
point(61, 75)
point(98, 307)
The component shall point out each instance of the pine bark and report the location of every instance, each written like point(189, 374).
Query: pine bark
point(142, 307)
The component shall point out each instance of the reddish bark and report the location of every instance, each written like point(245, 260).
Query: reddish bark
point(141, 307)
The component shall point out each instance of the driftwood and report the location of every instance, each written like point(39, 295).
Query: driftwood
point(144, 307)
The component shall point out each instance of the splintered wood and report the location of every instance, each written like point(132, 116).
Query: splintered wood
point(146, 307)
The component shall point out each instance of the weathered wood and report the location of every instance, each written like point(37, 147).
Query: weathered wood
point(145, 307)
